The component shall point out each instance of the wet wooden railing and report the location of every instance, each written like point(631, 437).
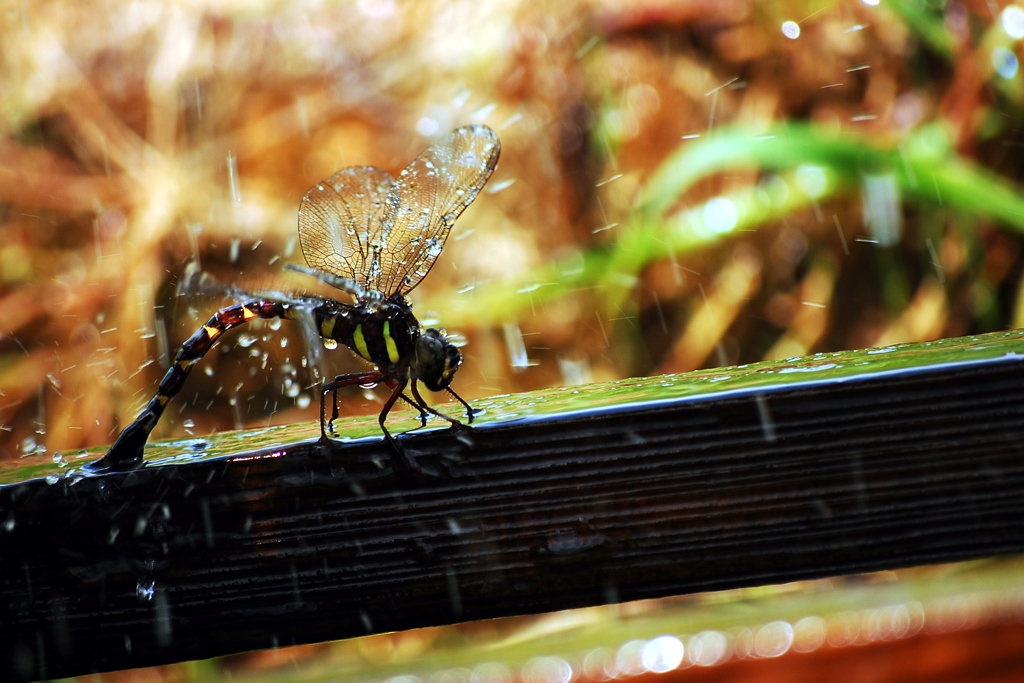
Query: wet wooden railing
point(834, 464)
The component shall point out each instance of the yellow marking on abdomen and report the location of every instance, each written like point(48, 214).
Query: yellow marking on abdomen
point(360, 342)
point(247, 314)
point(212, 332)
point(327, 327)
point(390, 343)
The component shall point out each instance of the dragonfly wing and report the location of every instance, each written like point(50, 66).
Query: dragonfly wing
point(429, 195)
point(341, 224)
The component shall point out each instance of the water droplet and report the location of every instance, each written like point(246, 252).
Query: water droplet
point(52, 478)
point(58, 459)
point(303, 401)
point(274, 323)
point(245, 340)
point(30, 447)
point(144, 589)
point(189, 424)
point(330, 344)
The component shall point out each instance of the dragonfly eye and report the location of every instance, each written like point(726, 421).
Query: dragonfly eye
point(435, 361)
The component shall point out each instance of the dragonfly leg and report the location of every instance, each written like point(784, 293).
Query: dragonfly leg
point(334, 410)
point(402, 459)
point(423, 413)
point(339, 382)
point(422, 404)
point(469, 409)
point(325, 424)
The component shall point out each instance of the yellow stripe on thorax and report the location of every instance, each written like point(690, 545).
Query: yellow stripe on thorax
point(390, 343)
point(360, 342)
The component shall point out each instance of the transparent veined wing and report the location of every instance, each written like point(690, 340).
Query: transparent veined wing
point(341, 224)
point(430, 193)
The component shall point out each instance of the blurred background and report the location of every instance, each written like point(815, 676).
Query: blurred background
point(682, 185)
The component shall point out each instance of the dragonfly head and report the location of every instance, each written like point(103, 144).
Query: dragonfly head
point(435, 360)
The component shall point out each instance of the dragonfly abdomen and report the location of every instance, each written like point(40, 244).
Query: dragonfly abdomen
point(126, 452)
point(203, 339)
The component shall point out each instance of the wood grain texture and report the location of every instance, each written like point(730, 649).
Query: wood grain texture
point(641, 501)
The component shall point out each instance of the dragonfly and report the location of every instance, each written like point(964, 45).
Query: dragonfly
point(375, 238)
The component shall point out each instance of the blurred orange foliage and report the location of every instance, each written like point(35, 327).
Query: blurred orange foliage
point(141, 141)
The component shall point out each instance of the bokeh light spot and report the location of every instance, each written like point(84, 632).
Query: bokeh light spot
point(882, 213)
point(427, 126)
point(773, 191)
point(843, 629)
point(627, 659)
point(811, 180)
point(773, 639)
point(791, 29)
point(743, 642)
point(720, 215)
point(1012, 20)
point(809, 634)
point(547, 670)
point(599, 664)
point(457, 675)
point(714, 649)
point(1004, 62)
point(662, 654)
point(491, 672)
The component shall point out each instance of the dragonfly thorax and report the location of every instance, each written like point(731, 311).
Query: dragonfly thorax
point(385, 335)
